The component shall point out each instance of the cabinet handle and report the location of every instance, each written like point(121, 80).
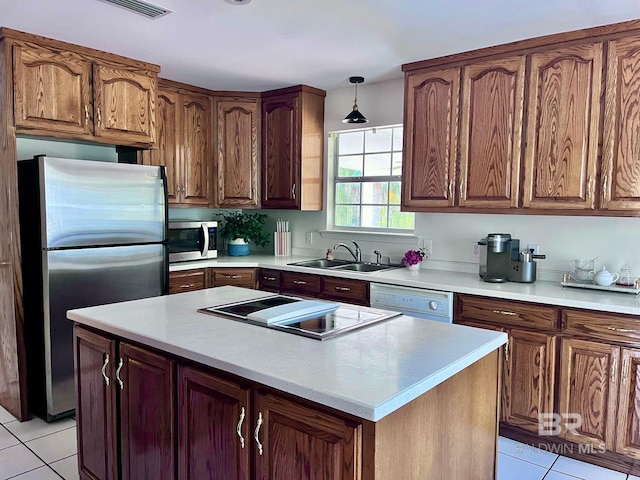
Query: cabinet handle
point(257, 432)
point(613, 371)
point(506, 351)
point(239, 428)
point(625, 365)
point(86, 115)
point(504, 312)
point(226, 275)
point(293, 191)
point(188, 285)
point(99, 118)
point(104, 369)
point(120, 364)
point(621, 330)
point(300, 282)
point(269, 279)
point(604, 187)
point(590, 187)
point(343, 289)
point(450, 188)
point(461, 187)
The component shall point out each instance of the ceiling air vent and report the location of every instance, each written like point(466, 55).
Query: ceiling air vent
point(143, 8)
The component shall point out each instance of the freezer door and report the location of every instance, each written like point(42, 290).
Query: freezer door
point(88, 203)
point(88, 277)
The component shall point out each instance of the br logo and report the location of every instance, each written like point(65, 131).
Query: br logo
point(556, 423)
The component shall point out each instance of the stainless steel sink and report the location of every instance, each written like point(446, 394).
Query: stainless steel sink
point(345, 265)
point(321, 263)
point(365, 267)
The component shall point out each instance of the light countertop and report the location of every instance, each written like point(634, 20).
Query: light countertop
point(545, 292)
point(368, 373)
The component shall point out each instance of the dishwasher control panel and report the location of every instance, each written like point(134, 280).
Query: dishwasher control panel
point(413, 300)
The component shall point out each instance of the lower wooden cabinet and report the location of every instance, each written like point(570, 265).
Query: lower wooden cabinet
point(187, 280)
point(628, 421)
point(528, 378)
point(269, 280)
point(237, 277)
point(302, 284)
point(345, 290)
point(125, 409)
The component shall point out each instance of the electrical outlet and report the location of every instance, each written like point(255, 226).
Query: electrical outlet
point(534, 246)
point(475, 251)
point(427, 245)
point(308, 238)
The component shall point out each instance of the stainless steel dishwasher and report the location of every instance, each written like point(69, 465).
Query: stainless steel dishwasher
point(417, 302)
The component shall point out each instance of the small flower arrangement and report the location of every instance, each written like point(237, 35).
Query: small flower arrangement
point(414, 257)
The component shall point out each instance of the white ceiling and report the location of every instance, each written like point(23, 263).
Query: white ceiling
point(276, 43)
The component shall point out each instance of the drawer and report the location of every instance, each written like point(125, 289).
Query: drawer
point(269, 280)
point(601, 325)
point(505, 312)
point(187, 281)
point(300, 283)
point(345, 290)
point(237, 277)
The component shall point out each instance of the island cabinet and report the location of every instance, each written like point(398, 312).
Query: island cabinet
point(66, 91)
point(237, 151)
point(125, 409)
point(293, 148)
point(188, 280)
point(184, 144)
point(529, 356)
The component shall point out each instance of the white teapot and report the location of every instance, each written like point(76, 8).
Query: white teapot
point(603, 277)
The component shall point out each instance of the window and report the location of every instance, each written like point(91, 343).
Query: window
point(368, 168)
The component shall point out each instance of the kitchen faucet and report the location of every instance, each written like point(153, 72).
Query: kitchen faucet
point(378, 256)
point(357, 255)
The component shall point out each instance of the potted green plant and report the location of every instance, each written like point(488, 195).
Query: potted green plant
point(240, 229)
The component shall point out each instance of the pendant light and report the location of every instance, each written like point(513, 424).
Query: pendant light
point(355, 116)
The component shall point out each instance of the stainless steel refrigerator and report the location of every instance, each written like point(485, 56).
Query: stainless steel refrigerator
point(91, 233)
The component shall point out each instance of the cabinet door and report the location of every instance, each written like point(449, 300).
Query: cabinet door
point(345, 290)
point(147, 414)
point(167, 151)
point(430, 139)
point(529, 378)
point(562, 128)
point(239, 277)
point(124, 103)
point(280, 152)
point(196, 148)
point(620, 172)
point(588, 387)
point(269, 280)
point(95, 357)
point(491, 133)
point(300, 284)
point(301, 443)
point(628, 429)
point(237, 151)
point(52, 90)
point(187, 281)
point(214, 428)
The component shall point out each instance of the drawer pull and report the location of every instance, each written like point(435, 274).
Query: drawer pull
point(233, 277)
point(239, 428)
point(269, 279)
point(120, 364)
point(104, 369)
point(621, 330)
point(343, 289)
point(187, 285)
point(99, 118)
point(257, 432)
point(300, 282)
point(86, 116)
point(505, 312)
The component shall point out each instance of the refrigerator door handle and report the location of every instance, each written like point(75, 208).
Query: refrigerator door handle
point(205, 244)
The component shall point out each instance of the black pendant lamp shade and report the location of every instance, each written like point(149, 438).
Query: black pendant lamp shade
point(355, 116)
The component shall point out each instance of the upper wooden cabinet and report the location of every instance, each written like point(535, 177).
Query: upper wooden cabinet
point(563, 128)
point(184, 145)
point(293, 148)
point(237, 151)
point(491, 133)
point(620, 183)
point(430, 139)
point(71, 94)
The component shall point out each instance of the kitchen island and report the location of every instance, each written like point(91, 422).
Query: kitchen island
point(403, 398)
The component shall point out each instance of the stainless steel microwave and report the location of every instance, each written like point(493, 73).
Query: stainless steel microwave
point(189, 240)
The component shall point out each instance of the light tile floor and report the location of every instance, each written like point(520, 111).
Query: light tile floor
point(36, 450)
